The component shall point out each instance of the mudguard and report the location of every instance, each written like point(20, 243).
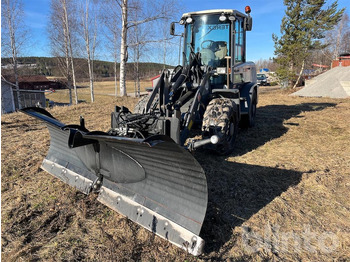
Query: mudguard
point(154, 182)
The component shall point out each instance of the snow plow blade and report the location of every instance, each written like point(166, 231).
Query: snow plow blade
point(154, 182)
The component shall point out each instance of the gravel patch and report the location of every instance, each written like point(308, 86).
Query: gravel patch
point(334, 83)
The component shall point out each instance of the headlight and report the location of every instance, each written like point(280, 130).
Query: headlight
point(222, 18)
point(189, 20)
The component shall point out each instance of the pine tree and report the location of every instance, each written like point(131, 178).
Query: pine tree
point(303, 26)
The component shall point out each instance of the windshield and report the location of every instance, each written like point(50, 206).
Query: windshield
point(210, 37)
point(261, 76)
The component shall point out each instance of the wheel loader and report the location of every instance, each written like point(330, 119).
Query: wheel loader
point(143, 167)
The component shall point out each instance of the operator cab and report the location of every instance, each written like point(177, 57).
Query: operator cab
point(208, 36)
point(219, 37)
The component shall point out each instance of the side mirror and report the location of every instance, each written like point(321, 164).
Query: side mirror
point(248, 23)
point(172, 28)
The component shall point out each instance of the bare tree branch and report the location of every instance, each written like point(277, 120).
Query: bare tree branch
point(119, 3)
point(149, 19)
point(148, 42)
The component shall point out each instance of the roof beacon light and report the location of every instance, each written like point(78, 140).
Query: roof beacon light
point(247, 9)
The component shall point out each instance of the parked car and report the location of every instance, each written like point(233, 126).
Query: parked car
point(262, 80)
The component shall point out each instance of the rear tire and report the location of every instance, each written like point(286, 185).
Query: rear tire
point(220, 118)
point(249, 119)
point(141, 104)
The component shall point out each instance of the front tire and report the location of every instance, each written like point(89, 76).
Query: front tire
point(220, 118)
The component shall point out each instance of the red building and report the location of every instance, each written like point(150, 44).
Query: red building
point(343, 60)
point(35, 82)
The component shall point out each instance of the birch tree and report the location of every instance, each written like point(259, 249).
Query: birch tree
point(13, 35)
point(132, 19)
point(60, 30)
point(338, 38)
point(136, 54)
point(156, 7)
point(123, 47)
point(170, 43)
point(140, 36)
point(69, 38)
point(110, 17)
point(89, 26)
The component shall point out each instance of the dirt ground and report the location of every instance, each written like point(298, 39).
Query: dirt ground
point(283, 194)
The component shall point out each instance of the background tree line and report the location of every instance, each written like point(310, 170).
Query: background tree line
point(103, 70)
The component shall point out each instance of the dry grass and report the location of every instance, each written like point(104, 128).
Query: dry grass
point(108, 87)
point(288, 175)
point(102, 90)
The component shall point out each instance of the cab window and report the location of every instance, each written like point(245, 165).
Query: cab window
point(239, 41)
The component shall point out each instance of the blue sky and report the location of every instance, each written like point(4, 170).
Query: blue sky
point(267, 16)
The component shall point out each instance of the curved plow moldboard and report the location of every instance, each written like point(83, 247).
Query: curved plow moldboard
point(154, 182)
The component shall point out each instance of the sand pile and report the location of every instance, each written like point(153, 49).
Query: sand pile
point(334, 83)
